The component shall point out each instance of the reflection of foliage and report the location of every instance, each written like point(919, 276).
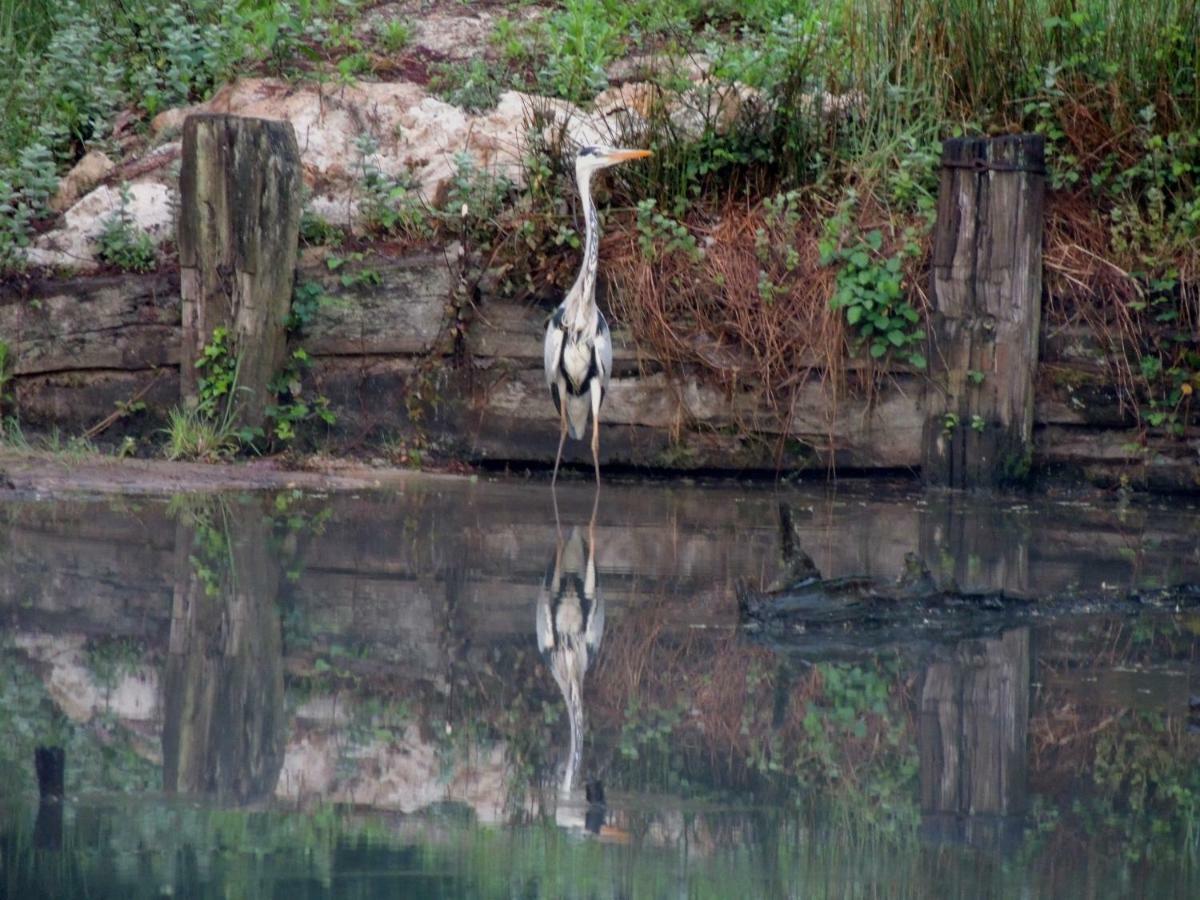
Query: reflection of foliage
point(98, 758)
point(211, 554)
point(294, 523)
point(714, 715)
point(111, 660)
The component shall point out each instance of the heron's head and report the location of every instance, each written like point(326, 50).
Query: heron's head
point(593, 157)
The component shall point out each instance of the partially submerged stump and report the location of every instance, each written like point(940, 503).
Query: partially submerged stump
point(239, 225)
point(987, 288)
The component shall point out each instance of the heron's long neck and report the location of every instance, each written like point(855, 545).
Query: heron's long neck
point(581, 300)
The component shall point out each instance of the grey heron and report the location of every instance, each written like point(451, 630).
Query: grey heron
point(578, 348)
point(570, 626)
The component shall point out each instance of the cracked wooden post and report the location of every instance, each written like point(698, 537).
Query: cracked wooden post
point(239, 225)
point(986, 293)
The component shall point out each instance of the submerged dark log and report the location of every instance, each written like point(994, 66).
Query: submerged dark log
point(843, 606)
point(804, 611)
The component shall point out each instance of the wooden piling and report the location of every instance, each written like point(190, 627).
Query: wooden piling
point(986, 294)
point(239, 224)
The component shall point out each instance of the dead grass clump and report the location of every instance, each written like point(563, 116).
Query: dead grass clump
point(1139, 322)
point(745, 302)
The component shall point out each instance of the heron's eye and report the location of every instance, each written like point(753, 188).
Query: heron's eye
point(587, 151)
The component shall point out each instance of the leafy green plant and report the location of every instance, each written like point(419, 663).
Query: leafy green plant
point(317, 232)
point(122, 244)
point(393, 34)
point(659, 235)
point(388, 205)
point(871, 295)
point(353, 274)
point(475, 86)
point(293, 406)
point(474, 200)
point(25, 190)
point(207, 431)
point(583, 38)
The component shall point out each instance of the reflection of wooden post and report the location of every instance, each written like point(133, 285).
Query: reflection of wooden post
point(976, 544)
point(973, 727)
point(239, 224)
point(987, 290)
point(224, 724)
point(50, 763)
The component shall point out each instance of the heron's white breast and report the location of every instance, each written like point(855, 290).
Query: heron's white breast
point(568, 618)
point(577, 359)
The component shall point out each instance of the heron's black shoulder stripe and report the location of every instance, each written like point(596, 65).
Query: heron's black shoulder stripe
point(557, 319)
point(592, 372)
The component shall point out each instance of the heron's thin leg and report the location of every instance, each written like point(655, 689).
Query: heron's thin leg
point(596, 429)
point(557, 522)
point(562, 427)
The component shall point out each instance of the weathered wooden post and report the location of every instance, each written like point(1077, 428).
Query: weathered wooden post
point(986, 293)
point(239, 223)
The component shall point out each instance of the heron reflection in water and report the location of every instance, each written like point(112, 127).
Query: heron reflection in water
point(570, 626)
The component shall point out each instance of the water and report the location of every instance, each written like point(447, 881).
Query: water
point(397, 695)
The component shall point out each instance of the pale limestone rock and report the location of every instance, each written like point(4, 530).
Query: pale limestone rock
point(407, 775)
point(88, 172)
point(414, 135)
point(640, 66)
point(716, 105)
point(72, 244)
point(134, 697)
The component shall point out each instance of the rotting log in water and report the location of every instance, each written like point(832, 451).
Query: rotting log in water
point(829, 617)
point(986, 290)
point(239, 227)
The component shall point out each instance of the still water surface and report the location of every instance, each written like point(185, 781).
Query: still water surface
point(416, 694)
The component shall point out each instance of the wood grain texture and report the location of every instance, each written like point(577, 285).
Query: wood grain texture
point(986, 289)
point(239, 224)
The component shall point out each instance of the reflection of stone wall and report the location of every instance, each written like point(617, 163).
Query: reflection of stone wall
point(412, 575)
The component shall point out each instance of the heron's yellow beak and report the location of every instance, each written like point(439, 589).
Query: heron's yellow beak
point(623, 155)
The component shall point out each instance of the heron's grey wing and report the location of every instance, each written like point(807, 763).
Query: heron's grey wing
point(604, 350)
point(552, 347)
point(545, 628)
point(595, 625)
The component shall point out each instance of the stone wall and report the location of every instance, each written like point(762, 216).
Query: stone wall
point(405, 353)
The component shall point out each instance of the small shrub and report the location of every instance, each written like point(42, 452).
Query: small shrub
point(123, 244)
point(25, 191)
point(393, 34)
point(583, 38)
point(475, 86)
point(317, 232)
point(870, 291)
point(388, 205)
point(192, 435)
point(474, 200)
